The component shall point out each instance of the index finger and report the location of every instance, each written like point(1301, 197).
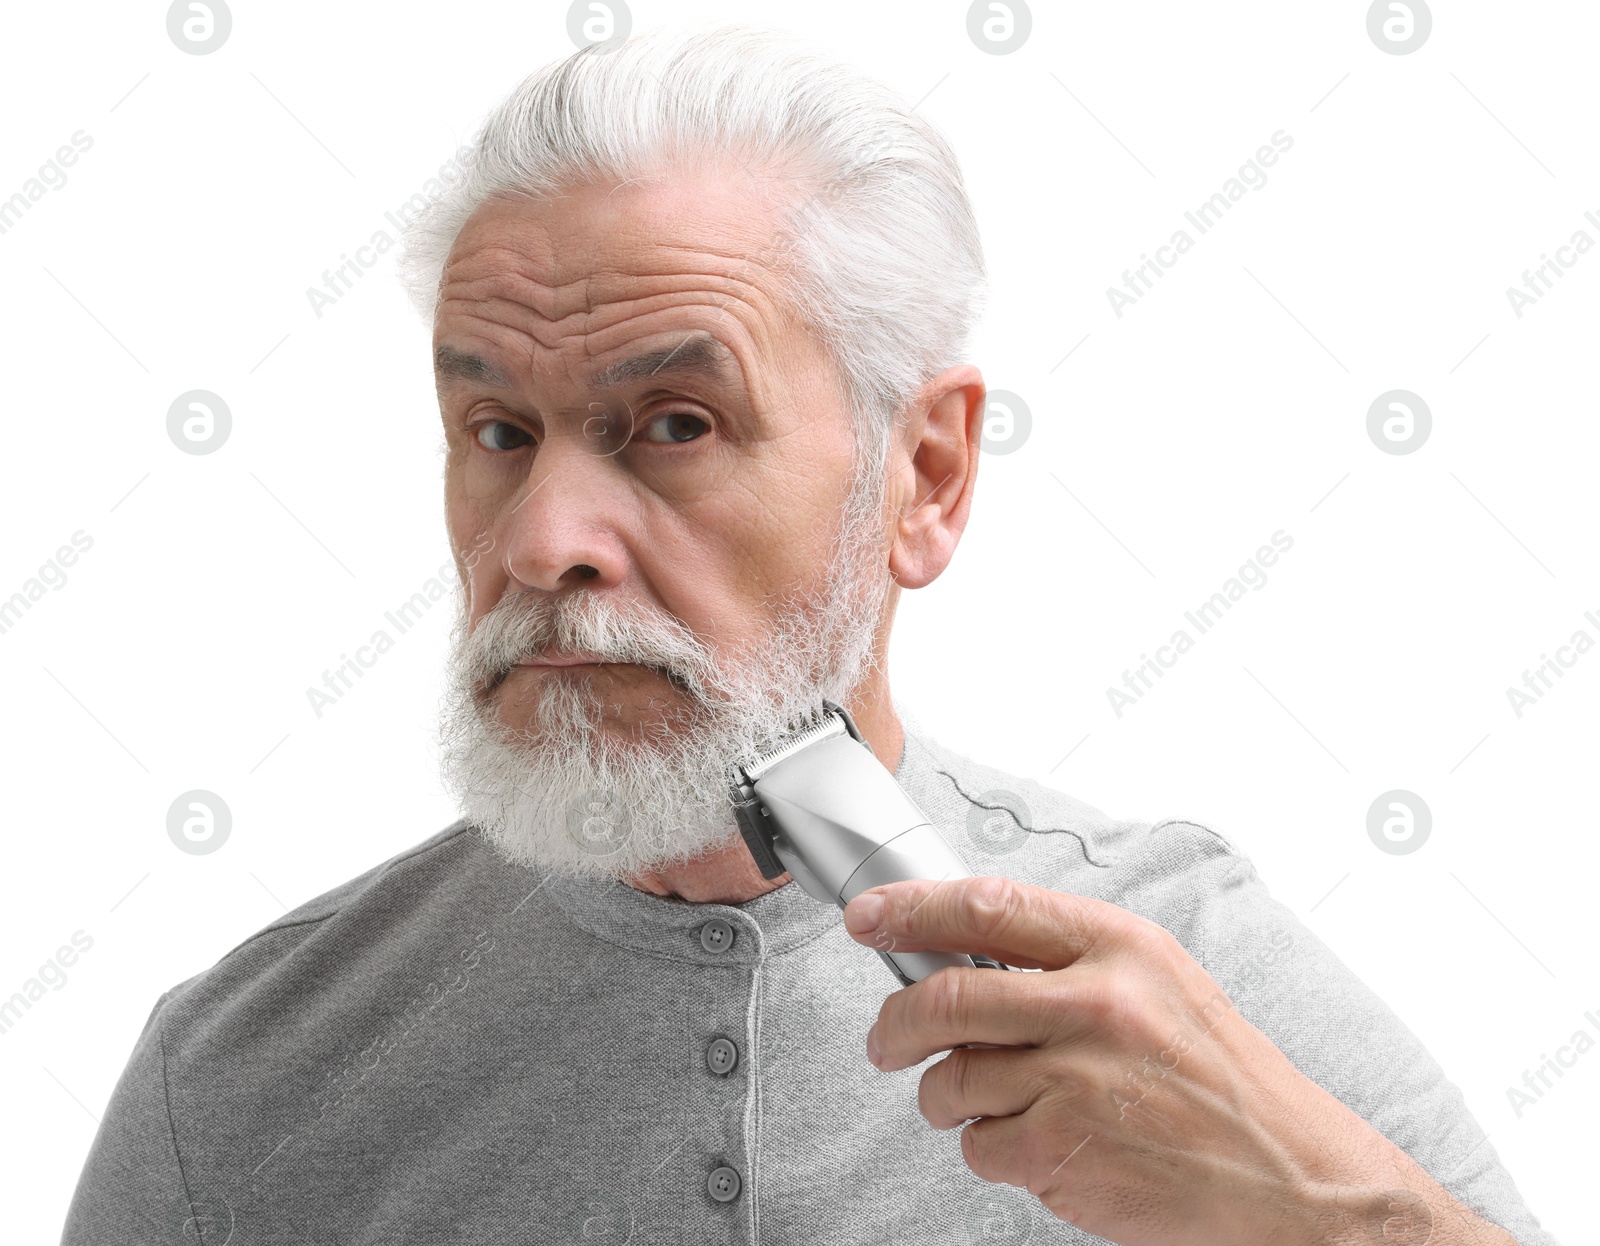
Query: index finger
point(1016, 923)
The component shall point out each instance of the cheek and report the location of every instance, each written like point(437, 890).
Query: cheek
point(471, 522)
point(794, 520)
point(483, 482)
point(476, 543)
point(751, 544)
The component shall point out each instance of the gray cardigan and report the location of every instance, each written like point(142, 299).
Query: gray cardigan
point(451, 1049)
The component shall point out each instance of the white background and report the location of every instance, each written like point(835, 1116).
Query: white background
point(1229, 403)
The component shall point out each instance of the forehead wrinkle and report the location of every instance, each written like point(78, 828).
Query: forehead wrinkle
point(608, 299)
point(512, 271)
point(510, 285)
point(525, 316)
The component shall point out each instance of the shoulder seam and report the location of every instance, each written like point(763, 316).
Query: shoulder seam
point(448, 835)
point(172, 1129)
point(1035, 830)
point(1199, 826)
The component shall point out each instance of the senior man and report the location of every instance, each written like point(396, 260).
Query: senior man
point(698, 310)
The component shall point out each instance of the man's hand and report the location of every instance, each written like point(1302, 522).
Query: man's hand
point(1121, 1087)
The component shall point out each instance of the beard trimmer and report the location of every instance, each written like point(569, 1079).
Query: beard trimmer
point(821, 807)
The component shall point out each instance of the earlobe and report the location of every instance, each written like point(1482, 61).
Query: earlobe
point(925, 542)
point(923, 568)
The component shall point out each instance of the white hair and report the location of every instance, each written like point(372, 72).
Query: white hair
point(886, 264)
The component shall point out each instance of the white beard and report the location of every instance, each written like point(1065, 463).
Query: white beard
point(569, 793)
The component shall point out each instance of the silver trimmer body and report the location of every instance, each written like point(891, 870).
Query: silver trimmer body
point(822, 808)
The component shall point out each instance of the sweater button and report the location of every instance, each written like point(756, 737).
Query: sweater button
point(723, 1184)
point(716, 935)
point(721, 1056)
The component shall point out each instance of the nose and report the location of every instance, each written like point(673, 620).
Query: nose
point(562, 525)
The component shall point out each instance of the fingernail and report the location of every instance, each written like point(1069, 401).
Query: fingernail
point(864, 913)
point(873, 1053)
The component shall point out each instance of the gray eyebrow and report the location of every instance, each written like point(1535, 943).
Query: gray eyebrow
point(698, 352)
point(448, 362)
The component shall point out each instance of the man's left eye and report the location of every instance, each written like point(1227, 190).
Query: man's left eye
point(679, 426)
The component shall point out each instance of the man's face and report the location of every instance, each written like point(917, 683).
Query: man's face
point(649, 463)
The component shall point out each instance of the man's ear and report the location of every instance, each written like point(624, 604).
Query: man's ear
point(933, 474)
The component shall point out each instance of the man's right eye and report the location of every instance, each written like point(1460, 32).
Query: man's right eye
point(493, 435)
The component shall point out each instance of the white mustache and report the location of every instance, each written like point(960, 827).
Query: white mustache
point(524, 626)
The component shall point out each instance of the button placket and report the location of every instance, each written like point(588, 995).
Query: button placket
point(719, 1017)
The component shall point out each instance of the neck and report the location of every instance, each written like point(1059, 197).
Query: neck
point(729, 875)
